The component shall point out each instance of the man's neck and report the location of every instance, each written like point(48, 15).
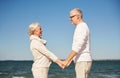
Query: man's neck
point(80, 21)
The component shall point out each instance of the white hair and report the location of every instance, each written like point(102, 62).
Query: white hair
point(79, 11)
point(32, 28)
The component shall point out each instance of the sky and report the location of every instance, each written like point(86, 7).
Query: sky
point(102, 17)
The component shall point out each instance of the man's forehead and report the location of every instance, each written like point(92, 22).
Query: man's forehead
point(73, 13)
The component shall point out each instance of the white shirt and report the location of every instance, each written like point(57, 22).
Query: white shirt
point(42, 56)
point(81, 43)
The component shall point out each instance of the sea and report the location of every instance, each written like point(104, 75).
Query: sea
point(22, 69)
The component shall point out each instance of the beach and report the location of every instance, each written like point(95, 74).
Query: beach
point(22, 69)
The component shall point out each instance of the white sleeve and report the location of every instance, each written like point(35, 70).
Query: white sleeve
point(43, 50)
point(79, 39)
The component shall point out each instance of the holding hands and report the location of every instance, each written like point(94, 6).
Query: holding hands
point(66, 63)
point(62, 64)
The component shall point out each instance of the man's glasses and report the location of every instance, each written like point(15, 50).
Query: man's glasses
point(72, 16)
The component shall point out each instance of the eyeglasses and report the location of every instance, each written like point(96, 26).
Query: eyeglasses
point(72, 16)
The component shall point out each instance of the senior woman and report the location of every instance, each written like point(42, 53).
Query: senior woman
point(42, 56)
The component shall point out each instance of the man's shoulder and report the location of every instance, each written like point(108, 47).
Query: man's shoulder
point(82, 25)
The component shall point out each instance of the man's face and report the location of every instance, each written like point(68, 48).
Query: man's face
point(73, 17)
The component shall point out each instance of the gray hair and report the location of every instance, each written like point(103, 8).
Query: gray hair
point(32, 28)
point(77, 10)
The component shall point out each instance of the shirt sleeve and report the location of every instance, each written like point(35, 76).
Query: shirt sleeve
point(79, 39)
point(43, 50)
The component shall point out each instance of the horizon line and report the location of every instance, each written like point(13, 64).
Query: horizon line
point(64, 59)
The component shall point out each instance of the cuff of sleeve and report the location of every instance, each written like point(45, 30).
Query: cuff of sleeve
point(75, 49)
point(55, 59)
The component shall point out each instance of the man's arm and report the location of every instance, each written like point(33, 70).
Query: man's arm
point(69, 59)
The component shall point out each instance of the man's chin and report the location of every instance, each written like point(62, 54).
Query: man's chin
point(40, 36)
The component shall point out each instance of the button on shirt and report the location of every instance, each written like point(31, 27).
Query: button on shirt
point(81, 43)
point(42, 56)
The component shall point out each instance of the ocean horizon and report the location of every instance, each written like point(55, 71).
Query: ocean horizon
point(22, 69)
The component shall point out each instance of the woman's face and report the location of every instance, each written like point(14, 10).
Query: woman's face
point(38, 31)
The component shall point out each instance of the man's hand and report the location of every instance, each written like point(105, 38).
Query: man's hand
point(60, 63)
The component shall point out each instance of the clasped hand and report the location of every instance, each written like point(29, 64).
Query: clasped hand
point(62, 64)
